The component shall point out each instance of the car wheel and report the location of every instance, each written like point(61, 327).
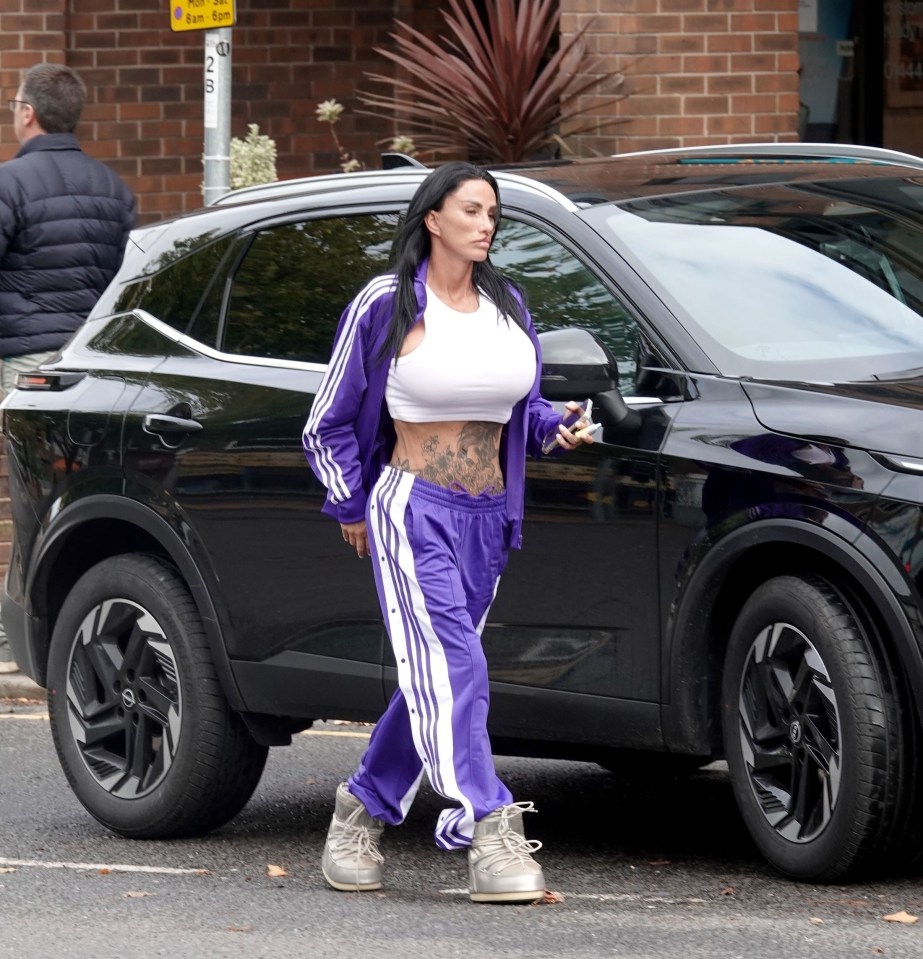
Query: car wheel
point(812, 732)
point(141, 725)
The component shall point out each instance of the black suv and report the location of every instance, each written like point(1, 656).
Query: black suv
point(746, 536)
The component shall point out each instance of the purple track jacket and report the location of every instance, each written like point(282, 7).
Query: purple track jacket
point(349, 435)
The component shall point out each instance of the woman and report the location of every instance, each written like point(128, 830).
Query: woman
point(420, 431)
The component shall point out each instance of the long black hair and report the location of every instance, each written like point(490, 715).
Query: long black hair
point(413, 244)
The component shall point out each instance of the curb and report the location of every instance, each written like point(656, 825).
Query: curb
point(19, 686)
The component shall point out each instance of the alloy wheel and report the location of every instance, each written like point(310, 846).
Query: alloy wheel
point(790, 733)
point(123, 698)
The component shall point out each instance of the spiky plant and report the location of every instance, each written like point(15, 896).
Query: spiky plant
point(495, 90)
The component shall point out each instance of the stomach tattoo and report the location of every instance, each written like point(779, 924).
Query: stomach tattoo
point(457, 456)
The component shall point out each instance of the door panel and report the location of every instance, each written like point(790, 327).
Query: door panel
point(296, 605)
point(240, 493)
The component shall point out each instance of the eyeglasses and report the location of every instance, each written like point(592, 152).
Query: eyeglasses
point(12, 104)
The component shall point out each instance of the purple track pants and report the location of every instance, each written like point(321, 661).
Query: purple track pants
point(437, 555)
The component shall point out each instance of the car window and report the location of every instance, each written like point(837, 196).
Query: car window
point(815, 281)
point(178, 284)
point(292, 285)
point(561, 291)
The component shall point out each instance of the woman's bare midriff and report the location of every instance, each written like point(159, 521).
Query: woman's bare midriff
point(452, 454)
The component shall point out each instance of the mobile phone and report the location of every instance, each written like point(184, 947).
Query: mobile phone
point(570, 422)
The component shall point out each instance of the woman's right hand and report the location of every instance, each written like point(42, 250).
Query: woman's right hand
point(357, 536)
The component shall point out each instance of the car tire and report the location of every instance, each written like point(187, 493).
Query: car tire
point(814, 742)
point(141, 725)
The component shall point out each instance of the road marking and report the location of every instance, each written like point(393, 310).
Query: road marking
point(330, 732)
point(101, 867)
point(23, 715)
point(607, 897)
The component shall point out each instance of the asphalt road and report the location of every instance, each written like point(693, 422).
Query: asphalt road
point(639, 869)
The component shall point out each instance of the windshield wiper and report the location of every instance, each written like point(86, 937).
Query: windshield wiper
point(911, 374)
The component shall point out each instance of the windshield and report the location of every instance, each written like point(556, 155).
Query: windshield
point(820, 282)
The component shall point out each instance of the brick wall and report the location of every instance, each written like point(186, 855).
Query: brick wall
point(30, 31)
point(697, 71)
point(144, 115)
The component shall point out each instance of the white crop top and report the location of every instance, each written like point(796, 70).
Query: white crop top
point(468, 366)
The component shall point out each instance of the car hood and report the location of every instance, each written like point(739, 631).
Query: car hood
point(885, 417)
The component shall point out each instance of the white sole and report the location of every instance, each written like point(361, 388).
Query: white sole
point(532, 896)
point(352, 886)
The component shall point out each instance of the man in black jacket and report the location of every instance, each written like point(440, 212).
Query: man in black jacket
point(64, 223)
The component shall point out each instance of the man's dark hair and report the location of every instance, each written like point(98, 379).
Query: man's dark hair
point(57, 95)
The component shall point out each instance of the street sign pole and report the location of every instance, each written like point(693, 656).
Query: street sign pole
point(217, 157)
point(215, 17)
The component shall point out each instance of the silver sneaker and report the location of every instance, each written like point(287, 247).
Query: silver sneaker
point(500, 863)
point(352, 861)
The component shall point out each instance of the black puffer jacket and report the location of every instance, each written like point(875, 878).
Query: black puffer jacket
point(64, 222)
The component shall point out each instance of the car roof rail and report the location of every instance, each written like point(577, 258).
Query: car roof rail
point(310, 184)
point(401, 173)
point(391, 161)
point(790, 152)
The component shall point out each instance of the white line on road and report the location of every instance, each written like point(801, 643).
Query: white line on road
point(330, 732)
point(23, 715)
point(100, 867)
point(606, 897)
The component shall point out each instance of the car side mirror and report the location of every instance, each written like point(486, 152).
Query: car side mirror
point(576, 365)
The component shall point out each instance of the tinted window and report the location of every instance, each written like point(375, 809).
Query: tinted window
point(563, 292)
point(179, 284)
point(294, 282)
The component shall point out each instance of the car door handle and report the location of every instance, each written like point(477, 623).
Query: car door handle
point(169, 426)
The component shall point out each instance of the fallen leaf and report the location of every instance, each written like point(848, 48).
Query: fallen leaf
point(815, 921)
point(275, 872)
point(240, 928)
point(202, 872)
point(728, 891)
point(105, 872)
point(660, 862)
point(137, 895)
point(901, 916)
point(5, 869)
point(552, 897)
point(877, 951)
